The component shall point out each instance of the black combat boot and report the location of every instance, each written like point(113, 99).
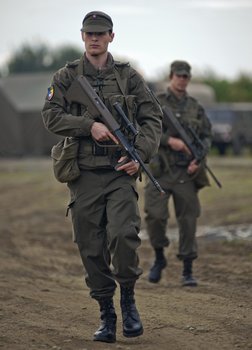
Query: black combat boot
point(187, 279)
point(107, 330)
point(132, 325)
point(159, 264)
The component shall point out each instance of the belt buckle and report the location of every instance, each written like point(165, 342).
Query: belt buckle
point(99, 150)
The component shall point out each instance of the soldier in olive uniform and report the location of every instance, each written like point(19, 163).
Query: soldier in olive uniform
point(179, 175)
point(103, 205)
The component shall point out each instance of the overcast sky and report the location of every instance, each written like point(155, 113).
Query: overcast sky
point(210, 34)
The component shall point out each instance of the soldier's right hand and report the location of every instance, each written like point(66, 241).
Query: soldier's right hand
point(100, 132)
point(178, 145)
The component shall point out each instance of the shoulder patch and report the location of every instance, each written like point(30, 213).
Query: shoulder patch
point(50, 93)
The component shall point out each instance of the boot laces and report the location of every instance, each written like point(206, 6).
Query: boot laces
point(127, 299)
point(108, 312)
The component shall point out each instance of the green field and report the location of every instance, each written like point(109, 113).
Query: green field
point(33, 179)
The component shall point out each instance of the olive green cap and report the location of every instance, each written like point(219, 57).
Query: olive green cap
point(181, 68)
point(97, 21)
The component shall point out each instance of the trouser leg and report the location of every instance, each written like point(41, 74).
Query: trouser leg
point(123, 226)
point(187, 209)
point(157, 213)
point(156, 216)
point(106, 224)
point(99, 277)
point(89, 223)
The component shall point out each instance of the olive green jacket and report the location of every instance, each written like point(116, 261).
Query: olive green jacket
point(189, 112)
point(117, 82)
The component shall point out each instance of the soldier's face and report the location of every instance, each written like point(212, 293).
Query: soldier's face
point(97, 43)
point(179, 82)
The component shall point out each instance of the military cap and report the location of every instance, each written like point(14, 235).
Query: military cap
point(97, 21)
point(181, 68)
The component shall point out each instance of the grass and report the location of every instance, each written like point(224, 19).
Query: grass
point(33, 179)
point(233, 203)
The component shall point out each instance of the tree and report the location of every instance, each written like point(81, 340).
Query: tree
point(41, 58)
point(238, 90)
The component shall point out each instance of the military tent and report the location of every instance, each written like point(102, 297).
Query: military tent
point(22, 131)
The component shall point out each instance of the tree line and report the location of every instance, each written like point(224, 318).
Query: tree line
point(41, 58)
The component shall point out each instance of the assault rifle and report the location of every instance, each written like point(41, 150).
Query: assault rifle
point(82, 92)
point(190, 138)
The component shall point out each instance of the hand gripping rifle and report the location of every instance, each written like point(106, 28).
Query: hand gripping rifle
point(82, 92)
point(193, 142)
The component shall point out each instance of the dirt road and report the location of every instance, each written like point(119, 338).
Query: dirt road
point(46, 305)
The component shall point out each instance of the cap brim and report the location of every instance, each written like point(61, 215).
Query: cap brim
point(182, 72)
point(95, 28)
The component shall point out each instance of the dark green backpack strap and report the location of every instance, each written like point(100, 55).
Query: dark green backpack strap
point(122, 71)
point(80, 69)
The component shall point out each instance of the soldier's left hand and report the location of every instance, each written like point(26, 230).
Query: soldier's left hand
point(193, 167)
point(130, 167)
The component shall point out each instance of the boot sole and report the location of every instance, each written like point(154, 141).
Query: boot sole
point(105, 340)
point(151, 280)
point(132, 335)
point(189, 284)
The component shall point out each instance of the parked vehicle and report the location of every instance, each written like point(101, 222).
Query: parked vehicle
point(231, 126)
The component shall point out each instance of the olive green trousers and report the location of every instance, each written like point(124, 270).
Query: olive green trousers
point(106, 224)
point(187, 210)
